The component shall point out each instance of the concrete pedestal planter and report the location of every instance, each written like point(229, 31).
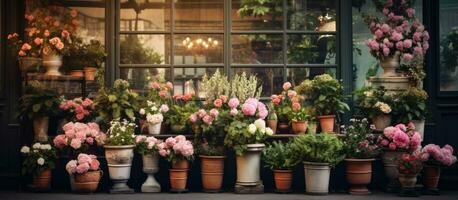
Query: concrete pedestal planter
point(391, 168)
point(212, 172)
point(381, 121)
point(154, 129)
point(317, 178)
point(327, 123)
point(151, 167)
point(249, 165)
point(119, 159)
point(283, 180)
point(389, 65)
point(40, 129)
point(420, 127)
point(52, 63)
point(359, 174)
point(87, 182)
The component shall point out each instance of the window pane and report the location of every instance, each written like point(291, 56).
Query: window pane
point(139, 78)
point(144, 49)
point(257, 49)
point(184, 75)
point(297, 75)
point(312, 15)
point(91, 23)
point(449, 45)
point(199, 15)
point(270, 78)
point(198, 48)
point(145, 15)
point(317, 49)
point(249, 15)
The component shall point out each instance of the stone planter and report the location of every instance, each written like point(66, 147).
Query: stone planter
point(154, 129)
point(52, 63)
point(28, 63)
point(283, 180)
point(359, 174)
point(431, 176)
point(89, 73)
point(42, 181)
point(212, 172)
point(420, 127)
point(317, 178)
point(272, 124)
point(391, 168)
point(87, 182)
point(76, 73)
point(392, 85)
point(408, 180)
point(381, 122)
point(40, 128)
point(119, 159)
point(249, 165)
point(327, 123)
point(389, 65)
point(299, 127)
point(150, 167)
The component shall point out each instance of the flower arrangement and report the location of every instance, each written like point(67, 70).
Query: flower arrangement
point(153, 113)
point(320, 148)
point(148, 145)
point(399, 34)
point(409, 164)
point(38, 158)
point(78, 109)
point(241, 133)
point(288, 104)
point(83, 164)
point(359, 142)
point(38, 101)
point(121, 133)
point(433, 154)
point(79, 138)
point(118, 102)
point(400, 138)
point(373, 102)
point(279, 156)
point(182, 107)
point(159, 92)
point(412, 104)
point(177, 149)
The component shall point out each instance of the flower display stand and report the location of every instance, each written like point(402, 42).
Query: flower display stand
point(392, 84)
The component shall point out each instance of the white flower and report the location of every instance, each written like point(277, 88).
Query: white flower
point(252, 128)
point(262, 130)
point(149, 103)
point(36, 146)
point(154, 108)
point(123, 128)
point(45, 147)
point(41, 161)
point(385, 108)
point(154, 119)
point(260, 124)
point(269, 131)
point(25, 149)
point(368, 93)
point(142, 111)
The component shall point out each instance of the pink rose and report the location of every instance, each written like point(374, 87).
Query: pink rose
point(233, 103)
point(384, 142)
point(386, 51)
point(169, 85)
point(202, 113)
point(385, 28)
point(90, 140)
point(263, 114)
point(292, 93)
point(417, 36)
point(392, 146)
point(296, 106)
point(402, 127)
point(84, 158)
point(396, 36)
point(407, 43)
point(164, 108)
point(75, 143)
point(60, 141)
point(410, 12)
point(163, 94)
point(82, 168)
point(214, 113)
point(140, 138)
point(389, 132)
point(71, 166)
point(73, 13)
point(60, 45)
point(38, 41)
point(378, 34)
point(22, 53)
point(65, 34)
point(223, 98)
point(193, 118)
point(400, 45)
point(94, 126)
point(26, 47)
point(286, 86)
point(407, 57)
point(95, 164)
point(170, 142)
point(426, 36)
point(163, 152)
point(218, 103)
point(208, 119)
point(80, 116)
point(155, 85)
point(417, 51)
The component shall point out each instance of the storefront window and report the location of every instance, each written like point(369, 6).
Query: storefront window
point(448, 31)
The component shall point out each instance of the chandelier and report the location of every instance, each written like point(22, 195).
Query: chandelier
point(200, 44)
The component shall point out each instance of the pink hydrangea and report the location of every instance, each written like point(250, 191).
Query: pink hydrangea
point(401, 139)
point(233, 103)
point(170, 142)
point(193, 118)
point(75, 143)
point(249, 109)
point(286, 86)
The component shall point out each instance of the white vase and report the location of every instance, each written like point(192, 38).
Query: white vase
point(40, 128)
point(420, 127)
point(381, 122)
point(52, 63)
point(317, 178)
point(249, 165)
point(390, 165)
point(150, 167)
point(390, 64)
point(154, 129)
point(119, 159)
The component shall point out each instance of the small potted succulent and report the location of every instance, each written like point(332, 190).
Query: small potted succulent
point(360, 150)
point(280, 158)
point(154, 117)
point(87, 173)
point(412, 108)
point(119, 152)
point(149, 148)
point(39, 160)
point(376, 104)
point(319, 152)
point(434, 159)
point(298, 118)
point(409, 166)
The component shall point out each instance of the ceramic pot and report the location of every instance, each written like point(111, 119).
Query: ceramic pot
point(431, 176)
point(391, 167)
point(76, 73)
point(212, 172)
point(178, 129)
point(180, 164)
point(87, 182)
point(52, 63)
point(283, 180)
point(89, 73)
point(272, 124)
point(408, 180)
point(359, 174)
point(317, 178)
point(154, 129)
point(299, 127)
point(40, 128)
point(28, 63)
point(119, 159)
point(381, 121)
point(178, 179)
point(420, 127)
point(42, 181)
point(283, 127)
point(311, 127)
point(390, 64)
point(151, 167)
point(249, 165)
point(327, 123)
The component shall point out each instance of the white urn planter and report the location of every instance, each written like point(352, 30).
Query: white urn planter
point(381, 122)
point(151, 167)
point(420, 127)
point(154, 129)
point(390, 64)
point(249, 165)
point(119, 159)
point(52, 63)
point(390, 165)
point(40, 129)
point(317, 178)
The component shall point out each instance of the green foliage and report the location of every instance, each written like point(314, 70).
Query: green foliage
point(210, 141)
point(38, 101)
point(132, 51)
point(238, 135)
point(94, 54)
point(359, 142)
point(121, 133)
point(180, 111)
point(327, 95)
point(74, 59)
point(321, 148)
point(38, 158)
point(298, 115)
point(367, 98)
point(257, 8)
point(118, 102)
point(279, 156)
point(411, 105)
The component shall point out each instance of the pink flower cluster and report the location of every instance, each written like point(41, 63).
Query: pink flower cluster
point(286, 97)
point(254, 108)
point(206, 117)
point(78, 134)
point(161, 90)
point(78, 109)
point(83, 164)
point(434, 154)
point(400, 137)
point(177, 148)
point(152, 144)
point(219, 102)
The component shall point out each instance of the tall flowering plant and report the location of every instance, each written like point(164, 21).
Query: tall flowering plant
point(79, 138)
point(148, 145)
point(177, 149)
point(83, 164)
point(78, 109)
point(38, 158)
point(433, 154)
point(287, 104)
point(400, 138)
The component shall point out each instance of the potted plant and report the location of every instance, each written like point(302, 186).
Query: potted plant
point(360, 150)
point(280, 158)
point(298, 118)
point(282, 105)
point(28, 56)
point(93, 58)
point(119, 152)
point(272, 118)
point(319, 152)
point(394, 142)
point(434, 159)
point(409, 166)
point(161, 93)
point(149, 148)
point(182, 107)
point(87, 173)
point(74, 59)
point(39, 159)
point(376, 104)
point(412, 108)
point(154, 117)
point(78, 109)
point(178, 151)
point(38, 103)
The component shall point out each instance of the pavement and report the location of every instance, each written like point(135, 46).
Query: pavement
point(445, 195)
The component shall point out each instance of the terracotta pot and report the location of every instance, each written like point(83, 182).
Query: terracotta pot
point(76, 73)
point(42, 181)
point(87, 182)
point(272, 124)
point(178, 179)
point(52, 63)
point(299, 127)
point(381, 122)
point(40, 128)
point(89, 73)
point(283, 180)
point(431, 176)
point(359, 174)
point(389, 65)
point(212, 172)
point(327, 123)
point(408, 180)
point(283, 127)
point(181, 164)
